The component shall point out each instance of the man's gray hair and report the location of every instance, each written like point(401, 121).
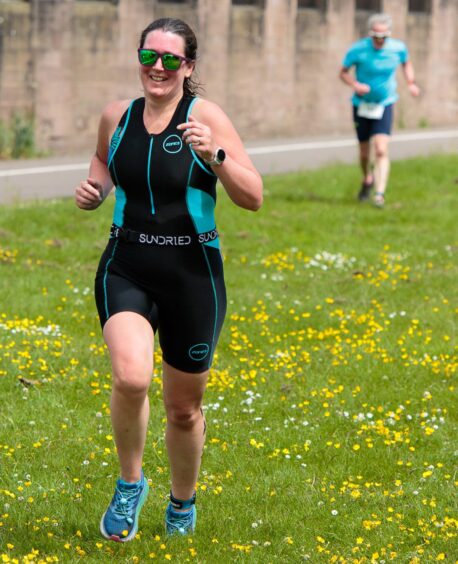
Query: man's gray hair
point(384, 19)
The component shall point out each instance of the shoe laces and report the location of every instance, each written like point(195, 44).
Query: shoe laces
point(124, 502)
point(180, 523)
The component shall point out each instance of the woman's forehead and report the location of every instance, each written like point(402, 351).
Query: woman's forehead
point(164, 40)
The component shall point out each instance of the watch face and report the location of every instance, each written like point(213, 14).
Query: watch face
point(221, 154)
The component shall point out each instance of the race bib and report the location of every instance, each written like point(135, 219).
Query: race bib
point(370, 111)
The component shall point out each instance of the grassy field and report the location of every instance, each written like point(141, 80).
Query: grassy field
point(331, 408)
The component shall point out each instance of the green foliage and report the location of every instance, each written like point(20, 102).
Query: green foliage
point(400, 116)
point(17, 138)
point(423, 123)
point(331, 406)
point(4, 139)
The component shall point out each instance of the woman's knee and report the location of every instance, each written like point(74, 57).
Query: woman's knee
point(183, 415)
point(131, 374)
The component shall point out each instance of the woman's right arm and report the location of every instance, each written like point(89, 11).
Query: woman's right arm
point(90, 193)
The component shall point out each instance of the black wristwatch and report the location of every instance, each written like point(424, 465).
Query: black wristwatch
point(218, 157)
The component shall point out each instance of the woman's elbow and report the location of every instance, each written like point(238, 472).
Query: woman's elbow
point(256, 203)
point(249, 199)
point(258, 197)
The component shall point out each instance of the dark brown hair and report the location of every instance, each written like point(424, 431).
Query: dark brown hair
point(191, 85)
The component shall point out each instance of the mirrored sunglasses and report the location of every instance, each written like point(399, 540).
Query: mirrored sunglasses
point(170, 62)
point(379, 35)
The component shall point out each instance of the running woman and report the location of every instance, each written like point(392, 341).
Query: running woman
point(162, 267)
point(376, 59)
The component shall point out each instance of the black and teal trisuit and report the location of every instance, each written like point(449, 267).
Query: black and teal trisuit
point(163, 259)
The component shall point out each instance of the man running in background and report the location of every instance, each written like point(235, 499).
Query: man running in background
point(376, 59)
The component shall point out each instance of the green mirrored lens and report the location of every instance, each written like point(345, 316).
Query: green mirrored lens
point(148, 58)
point(171, 62)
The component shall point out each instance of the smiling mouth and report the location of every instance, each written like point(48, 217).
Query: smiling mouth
point(157, 78)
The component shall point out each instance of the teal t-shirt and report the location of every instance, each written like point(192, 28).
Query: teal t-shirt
point(377, 68)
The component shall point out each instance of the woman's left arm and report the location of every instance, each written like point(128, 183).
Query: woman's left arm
point(208, 129)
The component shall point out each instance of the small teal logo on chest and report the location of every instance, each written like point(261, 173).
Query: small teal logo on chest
point(172, 144)
point(199, 351)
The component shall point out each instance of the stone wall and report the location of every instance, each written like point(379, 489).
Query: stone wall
point(273, 68)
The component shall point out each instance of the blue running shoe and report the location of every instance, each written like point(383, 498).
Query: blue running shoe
point(180, 522)
point(120, 521)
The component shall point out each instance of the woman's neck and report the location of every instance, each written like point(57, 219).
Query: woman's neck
point(155, 106)
point(158, 112)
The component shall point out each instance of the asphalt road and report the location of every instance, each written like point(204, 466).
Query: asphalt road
point(57, 177)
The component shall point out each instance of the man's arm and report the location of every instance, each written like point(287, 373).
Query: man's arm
point(409, 75)
point(359, 88)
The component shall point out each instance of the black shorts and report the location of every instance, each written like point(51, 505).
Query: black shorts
point(366, 128)
point(179, 290)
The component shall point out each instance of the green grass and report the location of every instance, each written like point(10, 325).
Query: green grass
point(331, 407)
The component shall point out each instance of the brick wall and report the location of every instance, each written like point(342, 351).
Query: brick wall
point(273, 68)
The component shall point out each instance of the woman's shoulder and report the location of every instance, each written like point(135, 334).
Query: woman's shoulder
point(204, 109)
point(114, 110)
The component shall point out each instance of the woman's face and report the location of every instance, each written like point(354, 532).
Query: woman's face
point(156, 80)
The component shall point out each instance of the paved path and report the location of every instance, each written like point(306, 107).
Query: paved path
point(57, 176)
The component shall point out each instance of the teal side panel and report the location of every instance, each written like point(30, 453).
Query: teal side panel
point(117, 137)
point(201, 207)
point(214, 243)
point(115, 140)
point(118, 216)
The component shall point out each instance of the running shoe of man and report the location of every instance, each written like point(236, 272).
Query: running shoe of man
point(120, 521)
point(365, 191)
point(180, 522)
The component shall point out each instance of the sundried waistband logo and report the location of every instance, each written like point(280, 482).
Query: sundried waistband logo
point(199, 351)
point(172, 144)
point(164, 240)
point(208, 236)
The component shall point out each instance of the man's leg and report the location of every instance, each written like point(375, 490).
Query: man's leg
point(366, 168)
point(382, 167)
point(363, 131)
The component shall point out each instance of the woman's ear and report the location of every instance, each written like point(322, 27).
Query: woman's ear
point(190, 70)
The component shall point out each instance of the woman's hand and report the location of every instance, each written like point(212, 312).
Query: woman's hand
point(89, 194)
point(199, 137)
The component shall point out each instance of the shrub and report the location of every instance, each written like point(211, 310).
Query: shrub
point(17, 138)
